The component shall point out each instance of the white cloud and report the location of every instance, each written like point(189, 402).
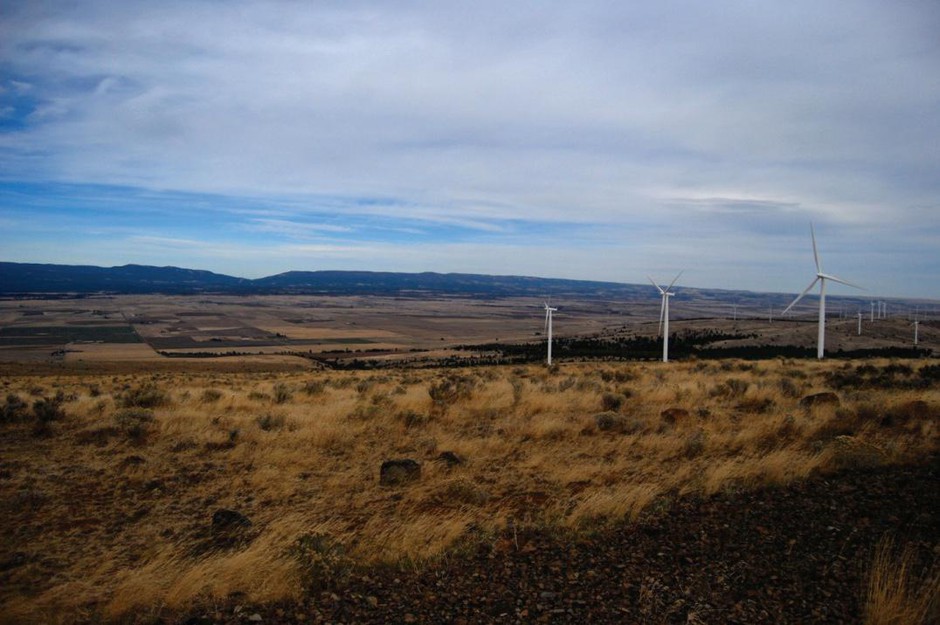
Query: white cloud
point(677, 116)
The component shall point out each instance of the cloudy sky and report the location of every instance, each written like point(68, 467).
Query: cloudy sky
point(595, 140)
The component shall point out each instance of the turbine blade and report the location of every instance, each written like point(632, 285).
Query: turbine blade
point(674, 281)
point(658, 288)
point(826, 276)
point(812, 232)
point(800, 296)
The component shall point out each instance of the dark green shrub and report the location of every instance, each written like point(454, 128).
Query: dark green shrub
point(135, 423)
point(611, 401)
point(270, 422)
point(314, 387)
point(450, 389)
point(46, 410)
point(14, 410)
point(282, 393)
point(211, 395)
point(144, 396)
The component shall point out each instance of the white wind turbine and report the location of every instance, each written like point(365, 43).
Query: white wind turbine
point(821, 279)
point(664, 314)
point(548, 329)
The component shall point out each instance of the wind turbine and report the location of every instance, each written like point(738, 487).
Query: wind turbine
point(548, 328)
point(664, 314)
point(821, 279)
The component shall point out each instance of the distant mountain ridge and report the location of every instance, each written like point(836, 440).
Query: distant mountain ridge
point(25, 278)
point(50, 279)
point(130, 279)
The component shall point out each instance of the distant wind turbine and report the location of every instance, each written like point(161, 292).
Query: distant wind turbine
point(548, 328)
point(664, 314)
point(821, 279)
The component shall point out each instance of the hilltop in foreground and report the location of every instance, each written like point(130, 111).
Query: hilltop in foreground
point(722, 492)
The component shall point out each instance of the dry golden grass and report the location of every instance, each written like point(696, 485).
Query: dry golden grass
point(899, 593)
point(109, 510)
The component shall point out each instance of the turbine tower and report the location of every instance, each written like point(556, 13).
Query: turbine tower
point(821, 279)
point(548, 328)
point(664, 314)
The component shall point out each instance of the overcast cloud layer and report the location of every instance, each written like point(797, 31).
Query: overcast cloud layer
point(596, 140)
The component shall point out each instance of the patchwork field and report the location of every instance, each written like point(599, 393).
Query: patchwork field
point(400, 330)
point(168, 497)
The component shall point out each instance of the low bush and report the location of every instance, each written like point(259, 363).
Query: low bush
point(282, 393)
point(211, 395)
point(14, 410)
point(271, 422)
point(611, 401)
point(144, 396)
point(135, 423)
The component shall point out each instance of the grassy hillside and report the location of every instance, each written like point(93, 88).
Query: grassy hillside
point(113, 486)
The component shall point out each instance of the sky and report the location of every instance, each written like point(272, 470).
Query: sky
point(590, 140)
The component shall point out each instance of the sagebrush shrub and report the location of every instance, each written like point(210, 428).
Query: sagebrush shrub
point(144, 396)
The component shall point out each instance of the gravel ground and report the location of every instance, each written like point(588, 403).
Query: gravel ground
point(796, 554)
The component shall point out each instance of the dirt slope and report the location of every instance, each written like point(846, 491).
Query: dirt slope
point(791, 555)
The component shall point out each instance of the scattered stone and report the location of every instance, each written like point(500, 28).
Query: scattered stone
point(826, 398)
point(228, 520)
point(132, 461)
point(255, 618)
point(397, 472)
point(450, 458)
point(672, 416)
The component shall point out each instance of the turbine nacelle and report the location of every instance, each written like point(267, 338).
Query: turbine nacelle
point(665, 293)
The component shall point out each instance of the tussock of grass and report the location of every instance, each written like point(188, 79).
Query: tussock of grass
point(111, 508)
point(901, 591)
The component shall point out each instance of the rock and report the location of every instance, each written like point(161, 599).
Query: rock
point(397, 472)
point(672, 416)
point(450, 458)
point(228, 520)
point(826, 398)
point(255, 618)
